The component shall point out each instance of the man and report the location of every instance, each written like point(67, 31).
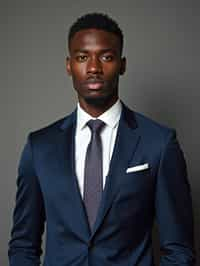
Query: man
point(100, 176)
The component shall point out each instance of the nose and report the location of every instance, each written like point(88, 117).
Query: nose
point(94, 66)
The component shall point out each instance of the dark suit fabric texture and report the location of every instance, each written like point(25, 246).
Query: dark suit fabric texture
point(48, 194)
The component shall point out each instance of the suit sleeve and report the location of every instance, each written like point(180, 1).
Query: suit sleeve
point(28, 216)
point(174, 207)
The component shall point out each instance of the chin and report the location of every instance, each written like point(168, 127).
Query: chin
point(98, 101)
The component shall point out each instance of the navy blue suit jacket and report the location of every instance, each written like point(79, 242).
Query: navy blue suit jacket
point(48, 193)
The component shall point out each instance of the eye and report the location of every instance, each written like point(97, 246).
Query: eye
point(107, 57)
point(81, 58)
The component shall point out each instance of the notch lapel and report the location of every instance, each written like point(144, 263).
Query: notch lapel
point(77, 218)
point(125, 146)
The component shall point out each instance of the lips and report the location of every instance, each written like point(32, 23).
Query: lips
point(94, 84)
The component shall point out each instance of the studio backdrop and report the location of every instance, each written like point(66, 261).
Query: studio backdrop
point(162, 80)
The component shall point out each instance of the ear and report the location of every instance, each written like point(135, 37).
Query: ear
point(123, 66)
point(68, 66)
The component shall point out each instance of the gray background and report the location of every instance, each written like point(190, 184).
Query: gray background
point(162, 42)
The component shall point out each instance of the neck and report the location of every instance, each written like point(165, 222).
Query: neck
point(96, 110)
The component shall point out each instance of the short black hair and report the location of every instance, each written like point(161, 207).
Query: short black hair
point(96, 21)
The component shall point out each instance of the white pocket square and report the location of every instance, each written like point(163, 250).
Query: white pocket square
point(137, 168)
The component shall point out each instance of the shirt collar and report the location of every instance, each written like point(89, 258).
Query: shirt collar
point(110, 117)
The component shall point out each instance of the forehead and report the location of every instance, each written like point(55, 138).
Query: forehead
point(92, 39)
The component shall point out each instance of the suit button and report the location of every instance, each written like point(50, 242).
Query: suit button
point(90, 244)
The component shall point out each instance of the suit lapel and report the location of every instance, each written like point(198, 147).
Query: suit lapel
point(125, 146)
point(77, 217)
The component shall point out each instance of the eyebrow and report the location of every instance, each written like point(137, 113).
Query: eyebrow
point(102, 50)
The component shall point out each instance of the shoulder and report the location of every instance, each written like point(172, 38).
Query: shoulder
point(52, 130)
point(153, 132)
point(150, 130)
point(151, 126)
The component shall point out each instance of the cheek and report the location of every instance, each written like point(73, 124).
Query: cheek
point(112, 74)
point(78, 72)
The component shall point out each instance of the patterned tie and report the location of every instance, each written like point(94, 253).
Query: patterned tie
point(93, 176)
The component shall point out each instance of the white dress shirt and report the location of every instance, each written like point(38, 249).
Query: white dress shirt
point(108, 135)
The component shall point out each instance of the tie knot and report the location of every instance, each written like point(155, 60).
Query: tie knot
point(95, 125)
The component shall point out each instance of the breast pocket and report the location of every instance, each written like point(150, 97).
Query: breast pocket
point(136, 180)
point(135, 194)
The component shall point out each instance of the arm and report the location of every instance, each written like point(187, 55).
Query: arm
point(29, 215)
point(174, 207)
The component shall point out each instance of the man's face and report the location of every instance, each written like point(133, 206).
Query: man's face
point(95, 64)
